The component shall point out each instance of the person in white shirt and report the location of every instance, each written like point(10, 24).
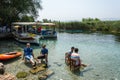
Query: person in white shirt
point(76, 56)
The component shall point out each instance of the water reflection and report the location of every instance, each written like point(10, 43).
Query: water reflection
point(117, 38)
point(8, 46)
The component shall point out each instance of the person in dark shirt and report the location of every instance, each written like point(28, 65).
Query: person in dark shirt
point(68, 55)
point(43, 53)
point(70, 52)
point(28, 54)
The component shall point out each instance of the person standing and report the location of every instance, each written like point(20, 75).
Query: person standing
point(28, 54)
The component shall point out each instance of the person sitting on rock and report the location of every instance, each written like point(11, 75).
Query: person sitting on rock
point(28, 54)
point(43, 54)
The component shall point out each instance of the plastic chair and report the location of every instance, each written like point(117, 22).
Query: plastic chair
point(73, 65)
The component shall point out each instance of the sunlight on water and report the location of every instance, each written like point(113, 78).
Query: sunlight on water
point(102, 52)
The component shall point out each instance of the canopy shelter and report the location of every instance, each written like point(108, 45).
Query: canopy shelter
point(25, 25)
point(33, 23)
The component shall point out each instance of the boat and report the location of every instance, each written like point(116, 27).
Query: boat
point(28, 32)
point(48, 34)
point(20, 31)
point(48, 31)
point(26, 38)
point(10, 55)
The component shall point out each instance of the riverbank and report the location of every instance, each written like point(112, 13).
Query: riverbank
point(6, 35)
point(90, 25)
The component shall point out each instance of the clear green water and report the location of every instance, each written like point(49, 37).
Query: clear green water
point(99, 50)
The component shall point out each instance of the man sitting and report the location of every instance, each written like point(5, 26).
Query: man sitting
point(72, 49)
point(68, 55)
point(28, 55)
point(75, 56)
point(43, 54)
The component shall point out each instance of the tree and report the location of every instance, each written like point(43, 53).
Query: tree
point(26, 18)
point(13, 10)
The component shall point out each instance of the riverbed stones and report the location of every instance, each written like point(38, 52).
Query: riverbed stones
point(38, 69)
point(45, 75)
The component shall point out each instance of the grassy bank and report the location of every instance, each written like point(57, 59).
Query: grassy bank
point(90, 25)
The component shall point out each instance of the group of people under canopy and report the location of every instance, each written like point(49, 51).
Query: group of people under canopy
point(30, 29)
point(29, 56)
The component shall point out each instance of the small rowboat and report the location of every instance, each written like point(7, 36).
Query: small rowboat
point(10, 55)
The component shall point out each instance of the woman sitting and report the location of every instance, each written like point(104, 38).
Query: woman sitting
point(75, 56)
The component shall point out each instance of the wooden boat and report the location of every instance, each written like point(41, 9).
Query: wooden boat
point(26, 39)
point(10, 55)
point(22, 33)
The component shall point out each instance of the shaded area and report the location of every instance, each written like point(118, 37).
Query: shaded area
point(117, 38)
point(6, 35)
point(10, 60)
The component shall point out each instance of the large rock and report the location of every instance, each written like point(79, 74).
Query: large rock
point(2, 68)
point(7, 76)
point(38, 69)
point(45, 75)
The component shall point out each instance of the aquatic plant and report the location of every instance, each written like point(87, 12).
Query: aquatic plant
point(37, 69)
point(21, 74)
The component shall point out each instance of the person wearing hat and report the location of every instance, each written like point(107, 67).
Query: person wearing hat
point(28, 54)
point(43, 54)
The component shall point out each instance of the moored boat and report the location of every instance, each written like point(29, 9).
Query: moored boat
point(49, 34)
point(21, 33)
point(10, 55)
point(27, 38)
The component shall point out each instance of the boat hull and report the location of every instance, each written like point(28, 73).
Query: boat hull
point(27, 41)
point(7, 56)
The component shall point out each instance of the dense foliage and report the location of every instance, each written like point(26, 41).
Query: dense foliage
point(90, 25)
point(14, 10)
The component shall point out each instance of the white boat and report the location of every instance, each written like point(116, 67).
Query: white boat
point(47, 29)
point(21, 34)
point(48, 34)
point(26, 38)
